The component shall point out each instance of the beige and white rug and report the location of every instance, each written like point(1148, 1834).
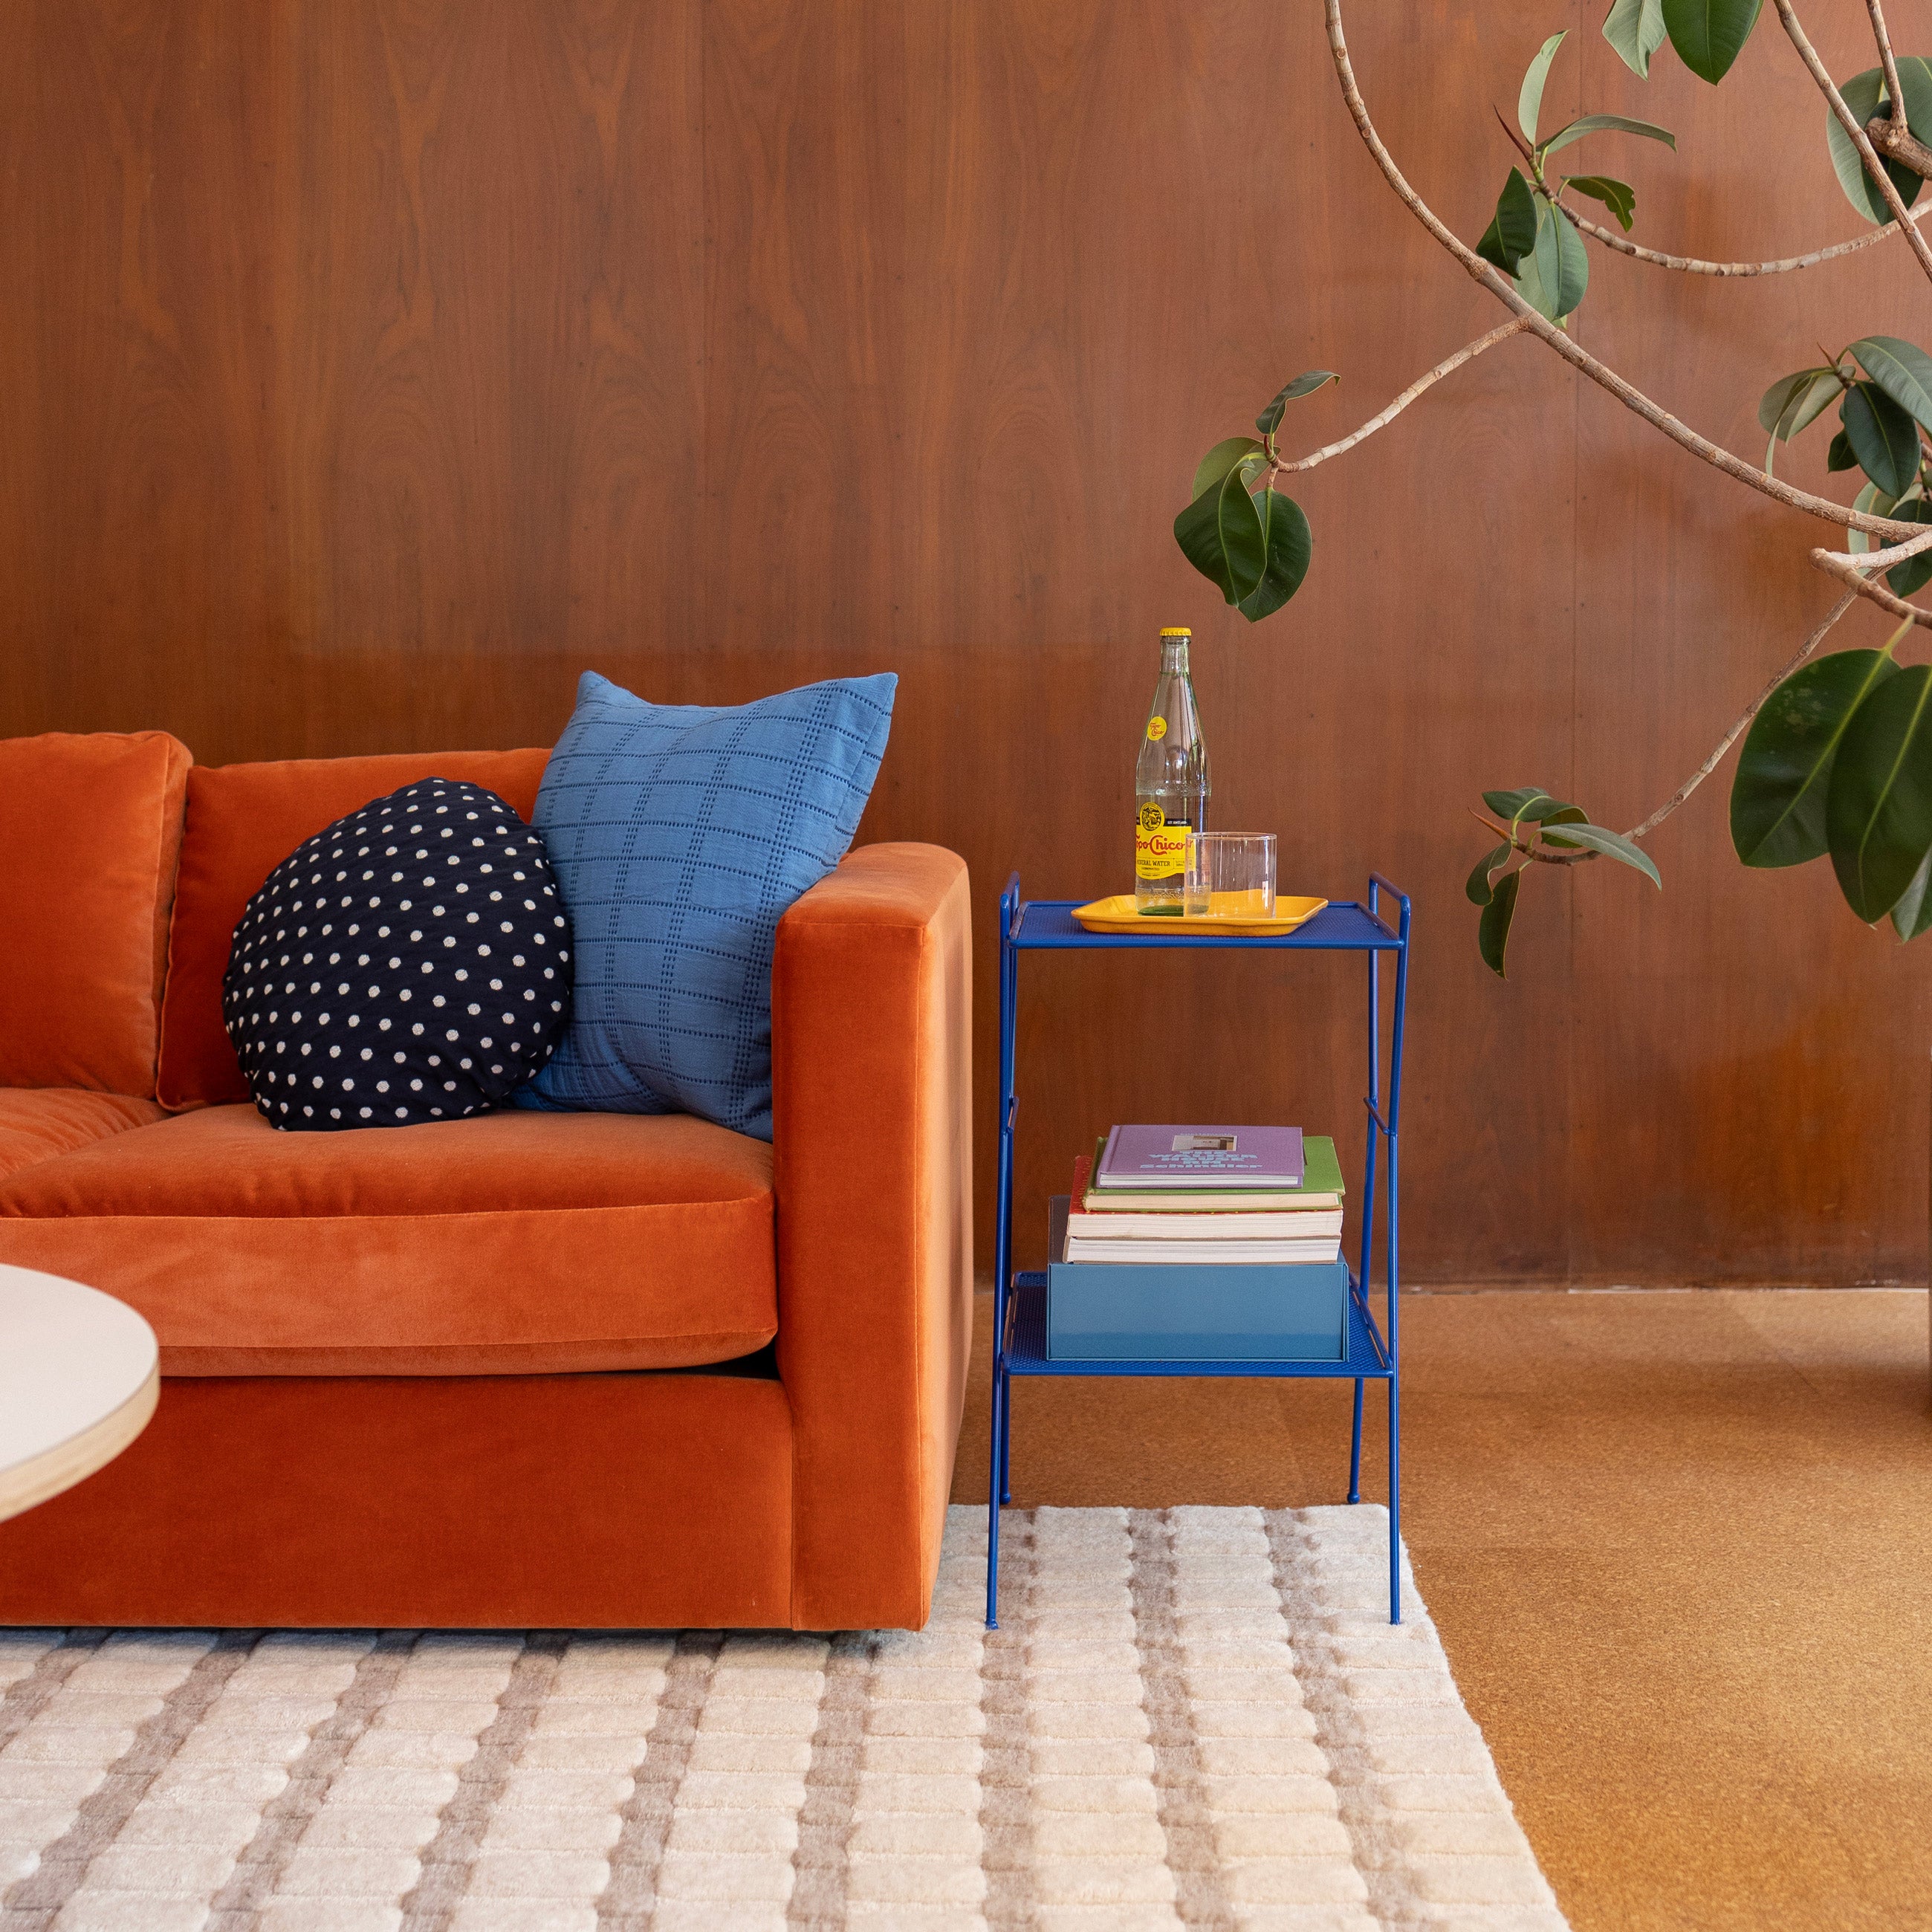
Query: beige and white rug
point(1189, 1717)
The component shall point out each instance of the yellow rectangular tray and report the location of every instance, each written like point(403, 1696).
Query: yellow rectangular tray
point(1118, 915)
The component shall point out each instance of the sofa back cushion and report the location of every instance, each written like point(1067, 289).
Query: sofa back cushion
point(243, 821)
point(87, 874)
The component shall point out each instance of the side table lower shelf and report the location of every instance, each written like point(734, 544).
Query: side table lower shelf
point(1022, 1351)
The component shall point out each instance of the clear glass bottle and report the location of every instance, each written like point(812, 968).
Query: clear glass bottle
point(1170, 783)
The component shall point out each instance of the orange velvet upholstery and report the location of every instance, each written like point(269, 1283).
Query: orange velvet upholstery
point(871, 1037)
point(513, 1242)
point(243, 821)
point(87, 871)
point(486, 1371)
point(37, 1123)
point(519, 1500)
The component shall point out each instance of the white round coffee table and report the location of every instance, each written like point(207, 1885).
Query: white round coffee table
point(79, 1375)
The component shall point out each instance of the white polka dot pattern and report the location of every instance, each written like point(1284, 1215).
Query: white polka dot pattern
point(410, 964)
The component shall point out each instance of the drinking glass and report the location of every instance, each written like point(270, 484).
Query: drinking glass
point(1230, 875)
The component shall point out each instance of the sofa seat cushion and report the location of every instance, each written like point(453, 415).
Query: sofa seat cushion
point(511, 1243)
point(37, 1123)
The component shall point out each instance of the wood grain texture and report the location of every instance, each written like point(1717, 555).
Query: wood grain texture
point(375, 366)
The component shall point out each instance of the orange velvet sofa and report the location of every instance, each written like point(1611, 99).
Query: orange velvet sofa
point(529, 1368)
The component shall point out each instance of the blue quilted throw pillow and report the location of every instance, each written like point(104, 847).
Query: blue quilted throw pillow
point(678, 835)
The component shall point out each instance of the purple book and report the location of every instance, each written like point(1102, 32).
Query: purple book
point(1202, 1157)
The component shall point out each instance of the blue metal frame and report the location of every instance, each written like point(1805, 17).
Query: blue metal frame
point(1019, 1301)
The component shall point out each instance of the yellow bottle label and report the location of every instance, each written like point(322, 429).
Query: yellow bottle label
point(1156, 728)
point(1160, 844)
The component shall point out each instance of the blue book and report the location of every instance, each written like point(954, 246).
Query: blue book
point(1104, 1311)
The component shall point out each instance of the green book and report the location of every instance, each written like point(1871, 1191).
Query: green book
point(1321, 1187)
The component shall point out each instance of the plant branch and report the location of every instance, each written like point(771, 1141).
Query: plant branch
point(1861, 140)
point(1892, 137)
point(1690, 264)
point(1887, 60)
point(1851, 570)
point(1448, 366)
point(1548, 333)
point(1750, 711)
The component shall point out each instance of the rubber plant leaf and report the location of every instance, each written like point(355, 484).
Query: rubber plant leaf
point(1492, 930)
point(1915, 572)
point(1607, 844)
point(1306, 384)
point(1839, 456)
point(1709, 35)
point(1288, 544)
point(1883, 437)
point(1903, 371)
point(1864, 94)
point(1529, 100)
point(1562, 263)
point(1635, 28)
point(1213, 468)
point(1545, 810)
point(1784, 771)
point(1809, 394)
point(1511, 233)
point(1874, 502)
point(1607, 124)
point(1481, 887)
point(1913, 913)
point(1619, 197)
point(1510, 804)
point(1878, 807)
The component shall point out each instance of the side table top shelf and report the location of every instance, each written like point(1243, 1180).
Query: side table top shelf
point(1341, 926)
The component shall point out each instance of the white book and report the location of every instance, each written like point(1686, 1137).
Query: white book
point(1300, 1224)
point(1238, 1254)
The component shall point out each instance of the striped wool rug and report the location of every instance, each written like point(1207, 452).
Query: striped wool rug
point(1189, 1717)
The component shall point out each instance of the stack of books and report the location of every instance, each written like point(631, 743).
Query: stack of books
point(1225, 1196)
point(1182, 1244)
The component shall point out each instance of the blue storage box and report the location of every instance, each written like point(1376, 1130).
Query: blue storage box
point(1138, 1311)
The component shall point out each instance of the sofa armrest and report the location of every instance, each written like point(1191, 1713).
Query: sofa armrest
point(871, 1044)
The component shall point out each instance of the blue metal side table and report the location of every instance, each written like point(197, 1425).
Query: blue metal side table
point(1019, 1301)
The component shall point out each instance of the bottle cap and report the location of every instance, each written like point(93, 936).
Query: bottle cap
point(1176, 631)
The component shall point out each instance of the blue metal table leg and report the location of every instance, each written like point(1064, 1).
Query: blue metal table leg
point(1355, 1450)
point(1006, 1438)
point(1395, 1501)
point(997, 1490)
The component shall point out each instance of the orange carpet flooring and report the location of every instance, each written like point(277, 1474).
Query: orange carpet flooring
point(1679, 1548)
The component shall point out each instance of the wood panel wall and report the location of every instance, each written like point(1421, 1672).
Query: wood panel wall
point(370, 367)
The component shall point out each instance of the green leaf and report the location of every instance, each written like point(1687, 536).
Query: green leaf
point(1561, 264)
point(1492, 931)
point(1913, 913)
point(1874, 502)
point(1220, 534)
point(1289, 544)
point(1635, 28)
point(1794, 403)
point(1619, 197)
point(1878, 809)
point(1529, 101)
point(1607, 844)
point(1510, 804)
point(1915, 572)
point(1709, 35)
point(1864, 94)
point(1777, 796)
point(1213, 468)
point(1904, 373)
point(1306, 384)
point(1839, 456)
point(1511, 233)
point(1479, 889)
point(1884, 438)
point(1608, 124)
point(1547, 811)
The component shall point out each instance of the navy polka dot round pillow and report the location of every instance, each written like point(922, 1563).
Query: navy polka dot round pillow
point(410, 964)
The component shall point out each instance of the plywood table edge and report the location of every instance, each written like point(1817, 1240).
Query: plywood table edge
point(42, 1477)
